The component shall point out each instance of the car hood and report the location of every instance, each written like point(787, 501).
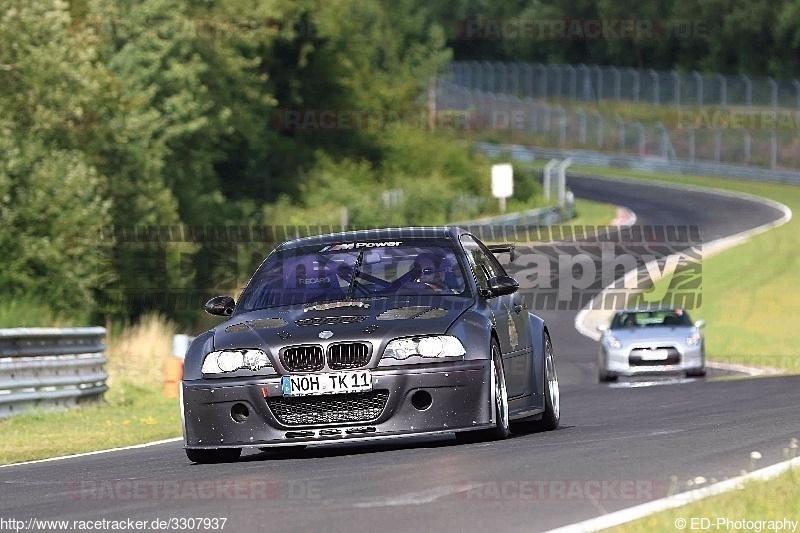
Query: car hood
point(653, 334)
point(376, 321)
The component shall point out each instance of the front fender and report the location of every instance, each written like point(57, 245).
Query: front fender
point(537, 330)
point(193, 362)
point(475, 331)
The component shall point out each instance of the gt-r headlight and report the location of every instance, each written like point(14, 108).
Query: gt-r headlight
point(223, 361)
point(613, 342)
point(693, 339)
point(429, 347)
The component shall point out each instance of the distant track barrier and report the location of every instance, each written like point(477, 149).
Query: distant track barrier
point(50, 367)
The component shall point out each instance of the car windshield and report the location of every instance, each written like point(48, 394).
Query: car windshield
point(341, 271)
point(660, 318)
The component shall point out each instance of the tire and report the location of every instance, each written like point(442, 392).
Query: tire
point(501, 428)
point(217, 455)
point(602, 377)
point(699, 373)
point(552, 394)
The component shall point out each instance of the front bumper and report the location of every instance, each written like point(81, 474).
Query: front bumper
point(460, 399)
point(625, 362)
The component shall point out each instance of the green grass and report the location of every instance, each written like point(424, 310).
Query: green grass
point(592, 213)
point(749, 298)
point(130, 415)
point(776, 499)
point(27, 312)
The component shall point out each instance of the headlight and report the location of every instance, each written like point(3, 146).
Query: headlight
point(613, 342)
point(430, 347)
point(693, 339)
point(232, 360)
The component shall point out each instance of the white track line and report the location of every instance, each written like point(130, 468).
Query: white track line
point(745, 369)
point(678, 500)
point(98, 452)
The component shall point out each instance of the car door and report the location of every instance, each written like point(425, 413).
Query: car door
point(509, 314)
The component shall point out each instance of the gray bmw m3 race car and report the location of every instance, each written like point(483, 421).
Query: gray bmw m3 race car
point(369, 335)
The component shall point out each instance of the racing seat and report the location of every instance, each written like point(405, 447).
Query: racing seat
point(313, 285)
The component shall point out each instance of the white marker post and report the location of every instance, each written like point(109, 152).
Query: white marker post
point(502, 183)
point(547, 179)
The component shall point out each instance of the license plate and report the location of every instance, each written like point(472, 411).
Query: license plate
point(331, 383)
point(654, 355)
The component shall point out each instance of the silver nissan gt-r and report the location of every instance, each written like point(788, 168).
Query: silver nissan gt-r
point(654, 341)
point(369, 335)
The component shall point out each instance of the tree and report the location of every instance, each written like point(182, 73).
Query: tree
point(51, 195)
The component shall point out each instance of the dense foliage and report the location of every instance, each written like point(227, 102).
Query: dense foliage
point(121, 115)
point(753, 37)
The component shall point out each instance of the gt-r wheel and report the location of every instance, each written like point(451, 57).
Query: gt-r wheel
point(501, 428)
point(552, 394)
point(602, 377)
point(219, 455)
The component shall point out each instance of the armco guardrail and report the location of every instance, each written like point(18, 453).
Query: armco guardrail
point(495, 228)
point(50, 367)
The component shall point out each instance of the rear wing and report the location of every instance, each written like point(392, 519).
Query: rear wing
point(508, 248)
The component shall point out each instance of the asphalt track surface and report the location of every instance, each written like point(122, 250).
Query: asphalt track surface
point(616, 447)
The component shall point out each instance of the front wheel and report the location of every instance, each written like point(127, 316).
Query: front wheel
point(501, 427)
point(218, 455)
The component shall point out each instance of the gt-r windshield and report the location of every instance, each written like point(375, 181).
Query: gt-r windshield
point(344, 271)
point(657, 318)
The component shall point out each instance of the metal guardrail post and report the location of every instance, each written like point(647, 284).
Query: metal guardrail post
point(698, 79)
point(773, 93)
point(747, 142)
point(748, 92)
point(796, 85)
point(656, 87)
point(676, 84)
point(581, 126)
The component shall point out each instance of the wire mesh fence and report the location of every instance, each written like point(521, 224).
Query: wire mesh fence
point(593, 83)
point(760, 138)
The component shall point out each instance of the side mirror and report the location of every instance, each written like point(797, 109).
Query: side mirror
point(500, 285)
point(220, 306)
point(700, 323)
point(602, 327)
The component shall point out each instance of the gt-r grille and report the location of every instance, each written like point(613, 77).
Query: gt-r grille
point(348, 355)
point(328, 408)
point(638, 357)
point(303, 358)
point(329, 320)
